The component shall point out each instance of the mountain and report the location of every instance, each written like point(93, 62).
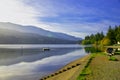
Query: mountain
point(18, 34)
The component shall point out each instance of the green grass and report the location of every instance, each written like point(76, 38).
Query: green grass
point(86, 70)
point(112, 58)
point(117, 53)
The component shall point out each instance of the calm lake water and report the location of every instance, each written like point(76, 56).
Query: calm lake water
point(29, 62)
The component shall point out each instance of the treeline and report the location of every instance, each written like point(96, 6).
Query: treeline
point(113, 34)
point(93, 38)
point(112, 37)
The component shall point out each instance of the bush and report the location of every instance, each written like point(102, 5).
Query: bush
point(112, 58)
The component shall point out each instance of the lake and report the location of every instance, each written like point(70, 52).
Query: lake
point(29, 62)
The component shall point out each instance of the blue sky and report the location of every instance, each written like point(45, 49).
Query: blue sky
point(75, 17)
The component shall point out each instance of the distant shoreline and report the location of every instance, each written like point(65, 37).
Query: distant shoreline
point(19, 46)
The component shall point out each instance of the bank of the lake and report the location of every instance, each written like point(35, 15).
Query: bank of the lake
point(95, 66)
point(69, 71)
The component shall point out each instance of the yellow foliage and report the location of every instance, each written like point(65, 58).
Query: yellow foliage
point(105, 41)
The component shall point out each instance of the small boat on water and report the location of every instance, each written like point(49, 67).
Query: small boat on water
point(46, 49)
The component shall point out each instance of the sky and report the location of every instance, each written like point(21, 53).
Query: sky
point(75, 17)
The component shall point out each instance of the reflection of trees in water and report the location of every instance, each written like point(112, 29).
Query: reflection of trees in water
point(92, 49)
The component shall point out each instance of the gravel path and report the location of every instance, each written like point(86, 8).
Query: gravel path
point(103, 69)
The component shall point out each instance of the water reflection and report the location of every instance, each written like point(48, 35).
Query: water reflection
point(13, 56)
point(92, 49)
point(32, 64)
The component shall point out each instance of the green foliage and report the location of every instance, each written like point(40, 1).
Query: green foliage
point(112, 58)
point(113, 34)
point(92, 49)
point(118, 37)
point(86, 42)
point(93, 38)
point(105, 41)
point(112, 37)
point(117, 31)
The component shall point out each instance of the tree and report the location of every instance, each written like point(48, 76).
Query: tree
point(118, 34)
point(111, 35)
point(105, 41)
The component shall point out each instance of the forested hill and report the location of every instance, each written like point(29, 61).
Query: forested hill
point(15, 37)
point(17, 34)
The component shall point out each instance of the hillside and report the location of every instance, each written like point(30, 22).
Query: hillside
point(17, 34)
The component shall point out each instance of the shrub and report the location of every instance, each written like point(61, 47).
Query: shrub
point(112, 58)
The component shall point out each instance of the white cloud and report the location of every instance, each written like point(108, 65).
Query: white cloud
point(21, 12)
point(16, 12)
point(79, 34)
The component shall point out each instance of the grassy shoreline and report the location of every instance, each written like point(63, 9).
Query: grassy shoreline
point(95, 66)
